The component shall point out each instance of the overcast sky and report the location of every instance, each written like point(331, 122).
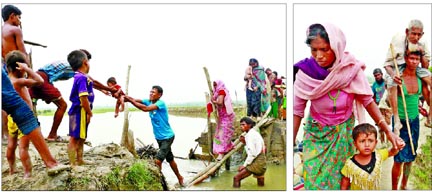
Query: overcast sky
point(165, 44)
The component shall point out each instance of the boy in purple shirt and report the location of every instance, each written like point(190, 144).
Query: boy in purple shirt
point(80, 113)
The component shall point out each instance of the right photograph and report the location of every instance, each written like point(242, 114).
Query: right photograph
point(362, 95)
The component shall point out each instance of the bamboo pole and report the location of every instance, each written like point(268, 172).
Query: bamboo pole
point(210, 86)
point(403, 100)
point(211, 169)
point(209, 131)
point(126, 141)
point(269, 135)
point(198, 178)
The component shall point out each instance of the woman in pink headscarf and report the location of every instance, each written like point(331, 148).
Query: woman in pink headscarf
point(222, 141)
point(335, 84)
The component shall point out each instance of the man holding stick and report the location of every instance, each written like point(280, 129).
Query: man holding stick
point(407, 107)
point(401, 42)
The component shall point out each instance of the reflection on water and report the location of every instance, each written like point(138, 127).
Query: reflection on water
point(104, 128)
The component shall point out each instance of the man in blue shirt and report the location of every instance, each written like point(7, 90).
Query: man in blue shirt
point(378, 87)
point(164, 135)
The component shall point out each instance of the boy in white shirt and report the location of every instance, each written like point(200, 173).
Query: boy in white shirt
point(255, 162)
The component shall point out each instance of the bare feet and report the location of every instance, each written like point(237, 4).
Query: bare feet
point(12, 171)
point(27, 175)
point(180, 179)
point(220, 157)
point(57, 169)
point(84, 162)
point(115, 115)
point(428, 122)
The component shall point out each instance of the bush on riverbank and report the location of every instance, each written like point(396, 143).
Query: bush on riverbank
point(422, 168)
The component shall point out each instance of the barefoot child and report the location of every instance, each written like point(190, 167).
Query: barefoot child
point(17, 70)
point(118, 94)
point(363, 170)
point(80, 113)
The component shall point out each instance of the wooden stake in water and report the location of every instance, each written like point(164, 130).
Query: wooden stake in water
point(210, 86)
point(127, 139)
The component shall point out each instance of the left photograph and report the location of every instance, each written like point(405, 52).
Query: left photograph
point(144, 96)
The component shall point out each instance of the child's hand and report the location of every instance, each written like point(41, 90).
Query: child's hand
point(400, 143)
point(21, 66)
point(106, 92)
point(89, 116)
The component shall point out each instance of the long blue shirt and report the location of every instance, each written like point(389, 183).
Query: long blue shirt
point(159, 119)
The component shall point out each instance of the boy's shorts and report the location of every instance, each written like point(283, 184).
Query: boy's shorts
point(420, 72)
point(78, 125)
point(165, 149)
point(13, 128)
point(47, 92)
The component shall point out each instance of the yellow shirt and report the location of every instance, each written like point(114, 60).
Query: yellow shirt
point(362, 180)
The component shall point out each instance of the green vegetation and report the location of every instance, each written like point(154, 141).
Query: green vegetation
point(140, 176)
point(422, 167)
point(77, 182)
point(112, 180)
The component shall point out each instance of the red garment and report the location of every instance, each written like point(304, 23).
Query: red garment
point(209, 109)
point(117, 86)
point(47, 92)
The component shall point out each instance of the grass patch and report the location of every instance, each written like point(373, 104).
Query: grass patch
point(142, 177)
point(112, 181)
point(422, 167)
point(139, 176)
point(78, 183)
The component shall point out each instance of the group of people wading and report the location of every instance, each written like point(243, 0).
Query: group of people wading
point(333, 81)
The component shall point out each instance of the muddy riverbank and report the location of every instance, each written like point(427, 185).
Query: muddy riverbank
point(112, 168)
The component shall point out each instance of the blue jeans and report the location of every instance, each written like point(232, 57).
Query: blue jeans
point(15, 106)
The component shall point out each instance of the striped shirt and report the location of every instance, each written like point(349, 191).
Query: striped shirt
point(58, 70)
